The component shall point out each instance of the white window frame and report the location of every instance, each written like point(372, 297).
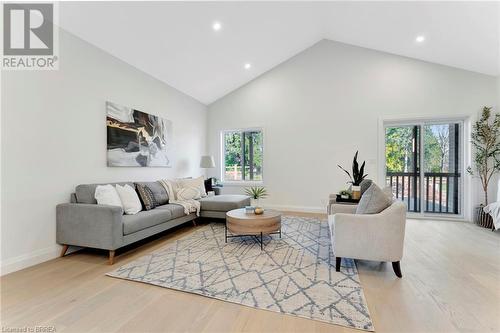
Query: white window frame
point(465, 125)
point(223, 157)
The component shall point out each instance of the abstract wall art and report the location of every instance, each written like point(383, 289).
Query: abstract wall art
point(137, 138)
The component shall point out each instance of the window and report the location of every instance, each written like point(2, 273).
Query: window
point(242, 153)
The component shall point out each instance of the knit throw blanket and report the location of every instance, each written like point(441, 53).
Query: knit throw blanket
point(190, 206)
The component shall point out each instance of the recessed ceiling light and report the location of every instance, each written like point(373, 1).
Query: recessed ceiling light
point(248, 66)
point(420, 39)
point(216, 26)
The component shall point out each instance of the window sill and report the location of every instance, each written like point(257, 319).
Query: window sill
point(243, 183)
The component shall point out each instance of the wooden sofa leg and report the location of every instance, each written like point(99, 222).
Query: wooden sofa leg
point(194, 223)
point(111, 258)
point(337, 263)
point(397, 269)
point(64, 249)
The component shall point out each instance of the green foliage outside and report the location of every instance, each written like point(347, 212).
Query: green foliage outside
point(399, 148)
point(251, 157)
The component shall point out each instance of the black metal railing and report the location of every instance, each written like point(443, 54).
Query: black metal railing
point(441, 190)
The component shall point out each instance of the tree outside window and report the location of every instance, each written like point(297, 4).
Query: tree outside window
point(243, 155)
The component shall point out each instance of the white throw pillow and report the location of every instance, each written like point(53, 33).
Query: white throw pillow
point(107, 195)
point(199, 183)
point(129, 198)
point(188, 193)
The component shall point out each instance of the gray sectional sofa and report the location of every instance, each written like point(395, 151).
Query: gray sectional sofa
point(84, 223)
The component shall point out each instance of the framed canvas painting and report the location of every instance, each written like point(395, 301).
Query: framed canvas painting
point(136, 138)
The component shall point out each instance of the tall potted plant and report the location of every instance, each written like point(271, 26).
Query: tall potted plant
point(485, 139)
point(357, 176)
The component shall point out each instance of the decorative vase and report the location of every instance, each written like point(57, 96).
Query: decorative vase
point(356, 192)
point(483, 219)
point(259, 211)
point(255, 202)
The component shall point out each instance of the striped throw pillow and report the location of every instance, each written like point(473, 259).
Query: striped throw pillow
point(146, 195)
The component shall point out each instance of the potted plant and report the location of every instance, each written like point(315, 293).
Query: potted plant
point(345, 194)
point(256, 193)
point(485, 138)
point(356, 178)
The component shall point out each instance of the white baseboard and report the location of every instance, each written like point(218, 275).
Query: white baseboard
point(30, 259)
point(305, 209)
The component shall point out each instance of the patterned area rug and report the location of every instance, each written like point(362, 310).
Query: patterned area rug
point(294, 275)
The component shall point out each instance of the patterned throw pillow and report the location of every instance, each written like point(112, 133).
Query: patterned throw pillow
point(199, 183)
point(188, 193)
point(158, 190)
point(146, 195)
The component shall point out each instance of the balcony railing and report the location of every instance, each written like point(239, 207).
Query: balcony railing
point(441, 190)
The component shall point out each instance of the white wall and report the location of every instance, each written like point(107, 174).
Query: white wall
point(54, 137)
point(321, 106)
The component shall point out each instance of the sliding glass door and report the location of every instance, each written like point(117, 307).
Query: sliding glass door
point(423, 165)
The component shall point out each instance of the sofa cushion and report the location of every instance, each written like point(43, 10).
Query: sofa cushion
point(373, 201)
point(176, 210)
point(85, 192)
point(159, 192)
point(130, 200)
point(146, 195)
point(107, 195)
point(188, 193)
point(199, 183)
point(224, 203)
point(365, 185)
point(144, 220)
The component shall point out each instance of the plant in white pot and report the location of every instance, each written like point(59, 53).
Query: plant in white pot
point(485, 139)
point(357, 176)
point(256, 193)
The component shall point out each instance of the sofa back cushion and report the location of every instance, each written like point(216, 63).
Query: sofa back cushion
point(373, 201)
point(85, 193)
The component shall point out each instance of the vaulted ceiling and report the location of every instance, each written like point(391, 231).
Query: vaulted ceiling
point(176, 43)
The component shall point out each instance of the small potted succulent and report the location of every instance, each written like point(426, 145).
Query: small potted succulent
point(256, 193)
point(345, 194)
point(356, 178)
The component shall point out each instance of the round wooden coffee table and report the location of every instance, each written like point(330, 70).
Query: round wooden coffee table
point(239, 223)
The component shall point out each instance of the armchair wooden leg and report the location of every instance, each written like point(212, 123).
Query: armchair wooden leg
point(397, 269)
point(111, 258)
point(194, 223)
point(337, 263)
point(63, 250)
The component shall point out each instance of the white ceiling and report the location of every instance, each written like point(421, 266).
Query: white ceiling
point(175, 42)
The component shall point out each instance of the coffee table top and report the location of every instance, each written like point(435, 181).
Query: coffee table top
point(242, 215)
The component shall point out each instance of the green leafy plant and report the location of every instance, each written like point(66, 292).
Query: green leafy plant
point(357, 173)
point(345, 193)
point(485, 138)
point(256, 192)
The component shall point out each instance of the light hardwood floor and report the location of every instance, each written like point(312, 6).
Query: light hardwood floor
point(451, 283)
